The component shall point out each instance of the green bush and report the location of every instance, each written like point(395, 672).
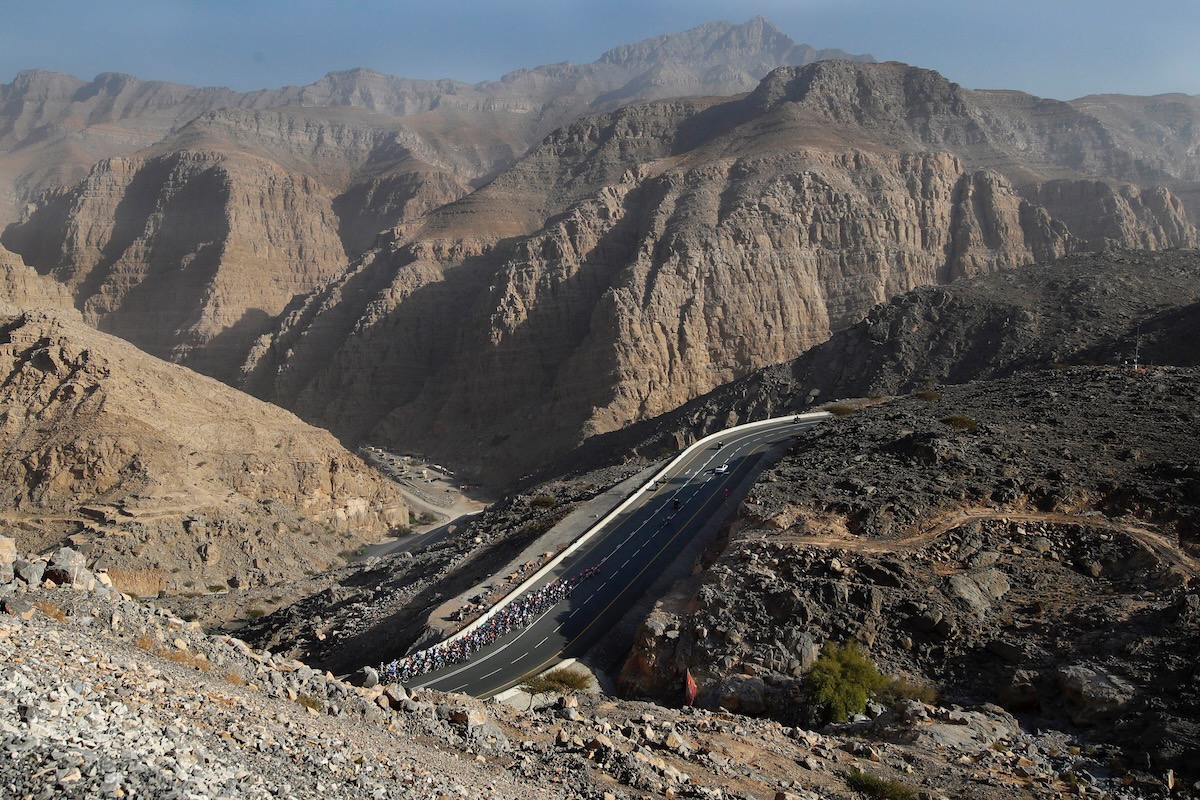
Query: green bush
point(542, 501)
point(842, 680)
point(879, 787)
point(930, 395)
point(839, 409)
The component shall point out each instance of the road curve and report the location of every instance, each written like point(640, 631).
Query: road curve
point(632, 546)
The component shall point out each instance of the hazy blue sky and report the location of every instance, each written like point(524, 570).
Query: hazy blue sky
point(1053, 48)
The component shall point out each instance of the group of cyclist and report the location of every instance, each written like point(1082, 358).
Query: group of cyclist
point(518, 614)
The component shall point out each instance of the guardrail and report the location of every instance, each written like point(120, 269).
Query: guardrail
point(622, 506)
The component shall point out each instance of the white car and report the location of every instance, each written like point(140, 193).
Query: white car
point(721, 470)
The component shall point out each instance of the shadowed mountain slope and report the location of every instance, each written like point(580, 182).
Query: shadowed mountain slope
point(638, 259)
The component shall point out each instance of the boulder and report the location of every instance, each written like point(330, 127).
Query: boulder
point(743, 695)
point(364, 677)
point(1093, 694)
point(468, 717)
point(66, 566)
point(1021, 693)
point(19, 607)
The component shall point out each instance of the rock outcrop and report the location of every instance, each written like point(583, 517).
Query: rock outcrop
point(22, 287)
point(638, 259)
point(150, 467)
point(1028, 541)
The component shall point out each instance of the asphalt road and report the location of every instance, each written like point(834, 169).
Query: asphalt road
point(632, 550)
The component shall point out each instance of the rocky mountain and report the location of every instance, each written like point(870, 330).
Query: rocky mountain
point(185, 219)
point(1008, 522)
point(1105, 308)
point(1027, 541)
point(173, 479)
point(187, 249)
point(638, 259)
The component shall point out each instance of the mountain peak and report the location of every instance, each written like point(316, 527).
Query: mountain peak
point(757, 41)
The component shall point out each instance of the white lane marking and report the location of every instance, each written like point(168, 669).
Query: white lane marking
point(601, 588)
point(456, 688)
point(576, 611)
point(626, 564)
point(542, 642)
point(493, 672)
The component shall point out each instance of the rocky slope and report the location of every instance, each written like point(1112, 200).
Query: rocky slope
point(1028, 541)
point(103, 696)
point(212, 209)
point(22, 287)
point(182, 482)
point(1089, 308)
point(638, 259)
point(188, 249)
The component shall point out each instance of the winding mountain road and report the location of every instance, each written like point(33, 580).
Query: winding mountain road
point(632, 550)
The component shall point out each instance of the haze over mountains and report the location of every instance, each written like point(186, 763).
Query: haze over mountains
point(495, 272)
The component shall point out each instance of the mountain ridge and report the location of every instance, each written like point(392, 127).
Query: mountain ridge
point(688, 240)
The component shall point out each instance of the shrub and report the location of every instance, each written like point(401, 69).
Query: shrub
point(254, 612)
point(932, 395)
point(901, 688)
point(839, 409)
point(186, 658)
point(568, 680)
point(564, 680)
point(542, 501)
point(879, 787)
point(308, 701)
point(842, 679)
point(960, 422)
point(50, 610)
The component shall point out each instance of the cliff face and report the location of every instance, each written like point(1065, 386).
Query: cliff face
point(1089, 308)
point(184, 219)
point(21, 287)
point(638, 259)
point(190, 248)
point(171, 252)
point(149, 466)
